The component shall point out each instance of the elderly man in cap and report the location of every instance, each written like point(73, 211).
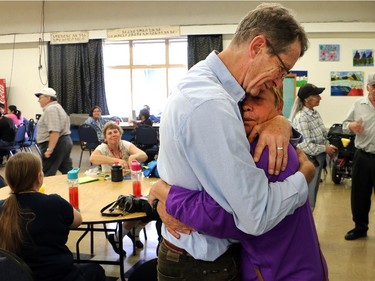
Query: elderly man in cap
point(53, 135)
point(310, 124)
point(360, 121)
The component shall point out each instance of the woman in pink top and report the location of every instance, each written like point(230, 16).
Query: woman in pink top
point(15, 115)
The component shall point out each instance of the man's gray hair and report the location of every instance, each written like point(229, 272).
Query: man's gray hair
point(276, 23)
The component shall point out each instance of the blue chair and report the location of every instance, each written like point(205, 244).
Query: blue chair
point(146, 138)
point(32, 129)
point(88, 139)
point(17, 142)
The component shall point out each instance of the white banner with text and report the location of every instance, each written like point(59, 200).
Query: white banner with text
point(143, 33)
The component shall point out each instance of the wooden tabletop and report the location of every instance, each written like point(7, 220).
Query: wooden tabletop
point(93, 196)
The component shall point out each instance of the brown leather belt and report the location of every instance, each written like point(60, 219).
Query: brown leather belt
point(175, 249)
point(234, 249)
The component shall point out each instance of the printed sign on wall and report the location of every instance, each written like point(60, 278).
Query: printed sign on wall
point(74, 37)
point(143, 32)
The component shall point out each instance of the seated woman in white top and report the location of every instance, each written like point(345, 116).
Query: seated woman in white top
point(115, 150)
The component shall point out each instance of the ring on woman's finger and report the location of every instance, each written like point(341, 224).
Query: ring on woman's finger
point(279, 148)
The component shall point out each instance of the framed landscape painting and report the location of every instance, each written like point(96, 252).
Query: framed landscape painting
point(363, 57)
point(347, 83)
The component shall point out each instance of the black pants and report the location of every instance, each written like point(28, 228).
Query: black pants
point(363, 182)
point(60, 158)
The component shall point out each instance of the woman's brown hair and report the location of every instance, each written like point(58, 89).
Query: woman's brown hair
point(21, 173)
point(113, 126)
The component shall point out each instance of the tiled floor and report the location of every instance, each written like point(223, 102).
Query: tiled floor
point(347, 260)
point(103, 250)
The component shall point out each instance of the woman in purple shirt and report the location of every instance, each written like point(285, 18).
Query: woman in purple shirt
point(290, 251)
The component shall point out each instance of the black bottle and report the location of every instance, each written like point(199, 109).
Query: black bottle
point(116, 173)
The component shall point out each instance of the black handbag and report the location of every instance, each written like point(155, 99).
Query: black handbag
point(128, 204)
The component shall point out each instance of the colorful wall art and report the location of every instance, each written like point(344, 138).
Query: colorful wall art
point(347, 83)
point(301, 77)
point(329, 52)
point(363, 57)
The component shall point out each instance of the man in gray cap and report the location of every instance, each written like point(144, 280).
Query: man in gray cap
point(360, 121)
point(53, 135)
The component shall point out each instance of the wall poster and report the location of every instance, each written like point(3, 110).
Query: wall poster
point(3, 93)
point(363, 58)
point(301, 77)
point(347, 83)
point(329, 52)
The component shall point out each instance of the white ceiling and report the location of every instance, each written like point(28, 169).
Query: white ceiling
point(26, 16)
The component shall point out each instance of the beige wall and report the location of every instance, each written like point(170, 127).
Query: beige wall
point(351, 24)
point(25, 16)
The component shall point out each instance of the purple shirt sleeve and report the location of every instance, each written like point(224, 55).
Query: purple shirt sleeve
point(200, 211)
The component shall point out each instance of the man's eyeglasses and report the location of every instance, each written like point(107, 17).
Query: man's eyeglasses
point(283, 69)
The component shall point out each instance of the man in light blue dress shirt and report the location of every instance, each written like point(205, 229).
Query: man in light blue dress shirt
point(203, 142)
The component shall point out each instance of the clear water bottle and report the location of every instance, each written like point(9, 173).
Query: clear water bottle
point(137, 177)
point(73, 188)
point(116, 172)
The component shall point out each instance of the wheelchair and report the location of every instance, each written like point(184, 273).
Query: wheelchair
point(343, 161)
